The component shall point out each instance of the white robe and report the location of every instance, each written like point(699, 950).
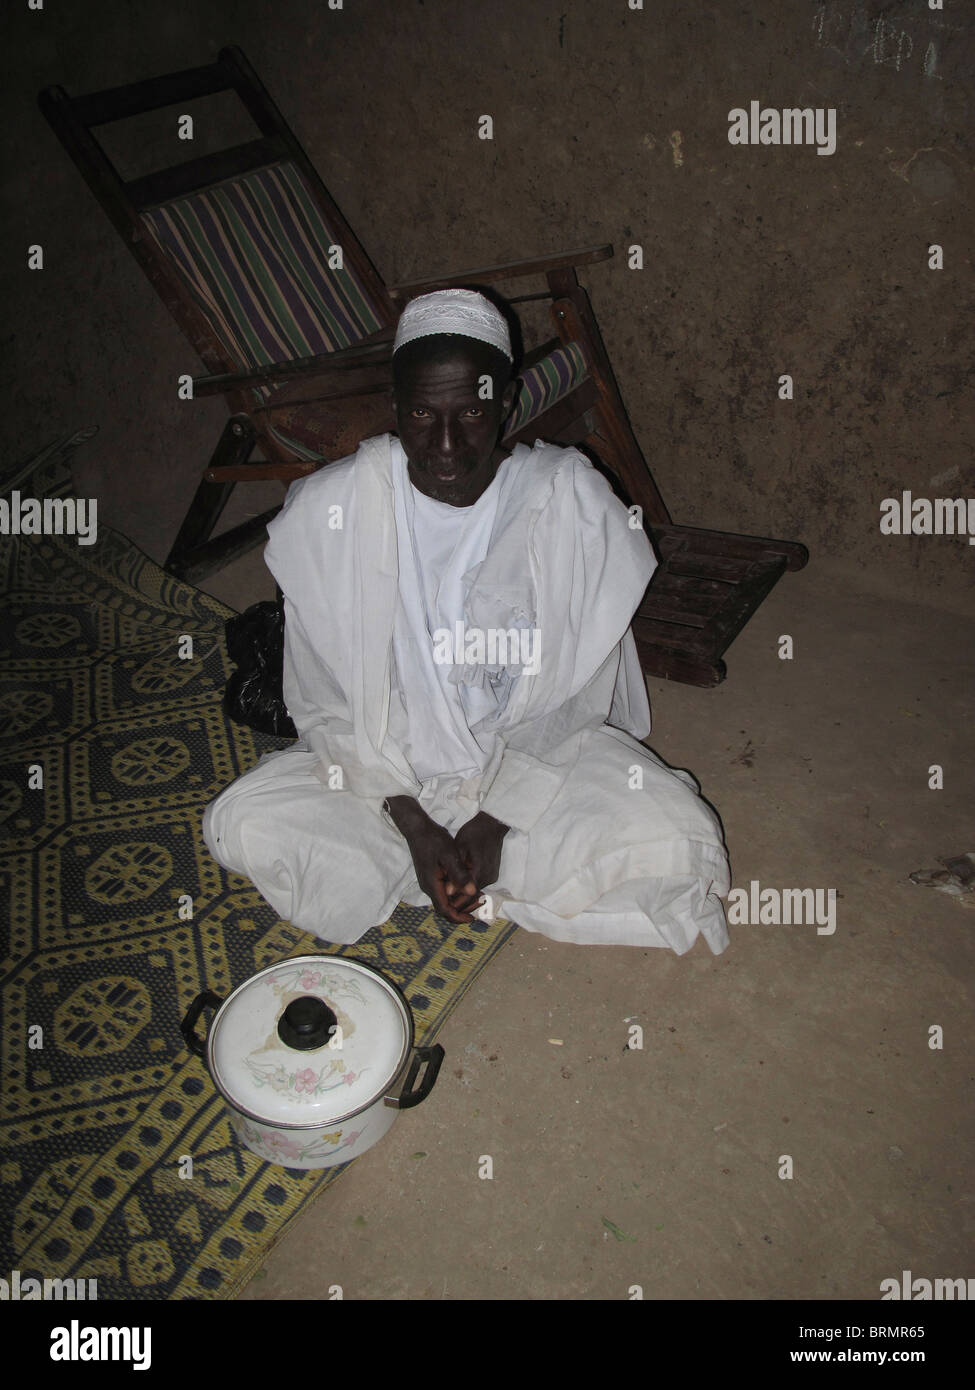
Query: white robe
point(437, 545)
point(607, 844)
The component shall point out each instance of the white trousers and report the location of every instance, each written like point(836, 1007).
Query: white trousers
point(610, 862)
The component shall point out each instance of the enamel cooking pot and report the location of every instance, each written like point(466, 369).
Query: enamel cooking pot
point(314, 1056)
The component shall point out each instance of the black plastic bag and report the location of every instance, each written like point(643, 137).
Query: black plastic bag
point(253, 694)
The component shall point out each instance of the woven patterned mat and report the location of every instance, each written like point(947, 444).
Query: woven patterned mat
point(100, 868)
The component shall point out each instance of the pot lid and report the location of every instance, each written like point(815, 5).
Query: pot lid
point(309, 1041)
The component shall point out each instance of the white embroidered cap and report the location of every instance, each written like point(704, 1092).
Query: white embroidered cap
point(453, 311)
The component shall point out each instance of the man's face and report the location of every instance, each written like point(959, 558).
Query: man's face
point(448, 432)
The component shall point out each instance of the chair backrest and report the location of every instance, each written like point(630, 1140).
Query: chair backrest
point(246, 247)
point(543, 384)
point(263, 266)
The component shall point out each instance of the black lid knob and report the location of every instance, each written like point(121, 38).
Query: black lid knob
point(306, 1023)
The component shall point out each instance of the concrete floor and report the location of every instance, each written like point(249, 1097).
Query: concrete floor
point(660, 1168)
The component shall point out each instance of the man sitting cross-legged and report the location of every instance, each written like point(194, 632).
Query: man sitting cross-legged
point(460, 668)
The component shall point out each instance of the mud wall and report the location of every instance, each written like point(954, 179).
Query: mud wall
point(610, 124)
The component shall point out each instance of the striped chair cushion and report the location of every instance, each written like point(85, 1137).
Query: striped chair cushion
point(254, 254)
point(547, 382)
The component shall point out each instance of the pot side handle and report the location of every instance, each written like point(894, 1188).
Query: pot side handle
point(407, 1097)
point(206, 1000)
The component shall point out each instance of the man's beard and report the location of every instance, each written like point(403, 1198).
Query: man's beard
point(440, 490)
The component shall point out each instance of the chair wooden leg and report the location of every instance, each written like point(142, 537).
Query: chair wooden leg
point(677, 666)
point(575, 321)
point(194, 555)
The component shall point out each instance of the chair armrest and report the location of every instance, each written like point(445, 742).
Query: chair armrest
point(539, 265)
point(377, 349)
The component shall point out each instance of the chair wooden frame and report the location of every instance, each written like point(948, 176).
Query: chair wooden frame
point(708, 582)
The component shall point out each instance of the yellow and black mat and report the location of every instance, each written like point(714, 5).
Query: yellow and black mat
point(112, 741)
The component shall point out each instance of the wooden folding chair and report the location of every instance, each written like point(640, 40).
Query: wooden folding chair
point(292, 320)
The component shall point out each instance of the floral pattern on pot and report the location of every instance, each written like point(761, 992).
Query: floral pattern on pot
point(305, 1083)
point(282, 1148)
point(304, 979)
